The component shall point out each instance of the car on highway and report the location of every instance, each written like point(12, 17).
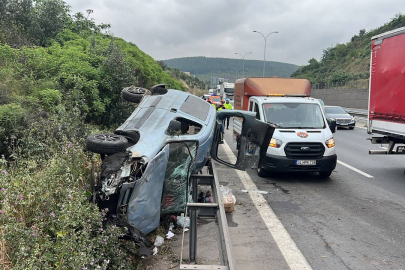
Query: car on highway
point(148, 160)
point(215, 99)
point(343, 119)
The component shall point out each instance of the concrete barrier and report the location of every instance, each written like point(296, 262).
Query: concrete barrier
point(348, 98)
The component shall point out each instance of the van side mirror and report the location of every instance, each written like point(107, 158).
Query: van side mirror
point(332, 124)
point(253, 140)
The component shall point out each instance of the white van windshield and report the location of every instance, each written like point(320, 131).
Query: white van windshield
point(294, 115)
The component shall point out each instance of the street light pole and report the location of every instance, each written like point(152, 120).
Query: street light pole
point(243, 62)
point(265, 40)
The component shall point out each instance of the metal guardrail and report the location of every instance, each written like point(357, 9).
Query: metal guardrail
point(213, 210)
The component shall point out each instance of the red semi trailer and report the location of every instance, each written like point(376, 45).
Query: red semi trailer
point(386, 111)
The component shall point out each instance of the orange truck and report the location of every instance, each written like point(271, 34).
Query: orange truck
point(247, 87)
point(302, 140)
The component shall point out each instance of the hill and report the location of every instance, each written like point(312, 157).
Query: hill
point(60, 80)
point(347, 63)
point(205, 67)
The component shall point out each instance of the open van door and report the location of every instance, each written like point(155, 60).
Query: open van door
point(254, 139)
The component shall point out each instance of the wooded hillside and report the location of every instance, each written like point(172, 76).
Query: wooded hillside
point(346, 63)
point(61, 77)
point(204, 67)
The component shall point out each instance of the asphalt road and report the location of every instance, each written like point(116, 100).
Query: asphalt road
point(353, 220)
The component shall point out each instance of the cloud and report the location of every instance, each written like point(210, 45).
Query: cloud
point(168, 29)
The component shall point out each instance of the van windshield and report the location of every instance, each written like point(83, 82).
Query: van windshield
point(229, 90)
point(294, 115)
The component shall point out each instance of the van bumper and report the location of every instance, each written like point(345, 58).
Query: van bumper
point(283, 164)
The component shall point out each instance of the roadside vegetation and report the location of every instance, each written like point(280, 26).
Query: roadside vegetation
point(61, 77)
point(346, 63)
point(192, 83)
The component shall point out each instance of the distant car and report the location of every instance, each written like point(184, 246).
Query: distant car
point(215, 99)
point(206, 96)
point(343, 119)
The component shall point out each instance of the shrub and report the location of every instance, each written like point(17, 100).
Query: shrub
point(11, 115)
point(46, 221)
point(49, 98)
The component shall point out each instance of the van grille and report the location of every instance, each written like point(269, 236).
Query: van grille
point(299, 150)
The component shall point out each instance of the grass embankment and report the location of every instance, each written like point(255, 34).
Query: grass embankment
point(54, 91)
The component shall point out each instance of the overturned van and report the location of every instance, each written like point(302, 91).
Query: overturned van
point(148, 160)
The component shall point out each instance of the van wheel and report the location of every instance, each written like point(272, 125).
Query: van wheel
point(324, 174)
point(133, 94)
point(261, 172)
point(105, 143)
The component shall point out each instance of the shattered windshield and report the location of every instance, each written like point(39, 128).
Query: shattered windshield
point(294, 115)
point(179, 168)
point(229, 90)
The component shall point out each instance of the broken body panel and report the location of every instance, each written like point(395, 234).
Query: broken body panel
point(152, 177)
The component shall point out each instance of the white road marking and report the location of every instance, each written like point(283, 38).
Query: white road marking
point(354, 169)
point(255, 191)
point(285, 243)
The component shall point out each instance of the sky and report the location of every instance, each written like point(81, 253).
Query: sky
point(167, 29)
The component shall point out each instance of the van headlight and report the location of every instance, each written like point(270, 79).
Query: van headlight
point(276, 143)
point(330, 143)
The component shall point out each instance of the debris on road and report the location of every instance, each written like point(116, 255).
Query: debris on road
point(180, 221)
point(170, 234)
point(228, 199)
point(159, 241)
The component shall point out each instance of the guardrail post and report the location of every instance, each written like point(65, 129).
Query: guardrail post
point(193, 220)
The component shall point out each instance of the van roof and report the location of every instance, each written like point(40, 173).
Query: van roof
point(285, 99)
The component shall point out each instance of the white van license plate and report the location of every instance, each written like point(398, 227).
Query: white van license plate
point(306, 162)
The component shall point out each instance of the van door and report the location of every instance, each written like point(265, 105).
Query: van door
point(257, 111)
point(254, 140)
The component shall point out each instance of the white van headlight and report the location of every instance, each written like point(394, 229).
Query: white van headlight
point(330, 143)
point(276, 143)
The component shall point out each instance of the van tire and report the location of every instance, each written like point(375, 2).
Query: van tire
point(261, 171)
point(325, 174)
point(133, 94)
point(105, 143)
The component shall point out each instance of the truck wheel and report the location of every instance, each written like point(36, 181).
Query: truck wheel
point(325, 174)
point(261, 172)
point(133, 94)
point(105, 143)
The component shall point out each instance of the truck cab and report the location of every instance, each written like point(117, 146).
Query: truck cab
point(302, 140)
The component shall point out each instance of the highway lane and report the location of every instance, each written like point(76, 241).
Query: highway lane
point(348, 221)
